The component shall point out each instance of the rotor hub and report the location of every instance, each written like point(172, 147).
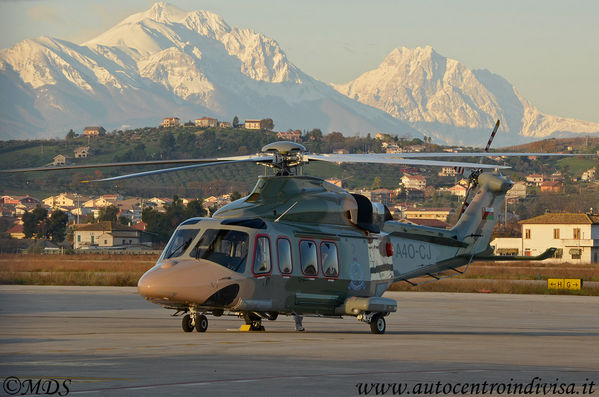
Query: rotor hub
point(287, 156)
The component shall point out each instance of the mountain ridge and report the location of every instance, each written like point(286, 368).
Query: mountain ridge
point(431, 91)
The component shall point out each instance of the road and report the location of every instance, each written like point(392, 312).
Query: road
point(108, 340)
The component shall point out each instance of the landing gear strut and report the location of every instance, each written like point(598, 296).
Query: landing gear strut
point(254, 321)
point(194, 320)
point(377, 322)
point(187, 323)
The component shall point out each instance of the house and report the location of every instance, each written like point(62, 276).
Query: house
point(517, 192)
point(59, 160)
point(552, 186)
point(102, 201)
point(81, 152)
point(440, 214)
point(225, 124)
point(65, 200)
point(252, 124)
point(535, 179)
point(428, 222)
point(392, 148)
point(507, 246)
point(206, 122)
point(381, 196)
point(170, 122)
point(588, 175)
point(16, 231)
point(415, 182)
point(335, 181)
point(94, 131)
point(575, 235)
point(294, 136)
point(458, 190)
point(107, 234)
point(448, 171)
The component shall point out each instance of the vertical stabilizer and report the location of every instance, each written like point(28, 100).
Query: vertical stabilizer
point(476, 224)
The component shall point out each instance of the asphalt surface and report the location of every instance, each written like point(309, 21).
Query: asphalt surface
point(109, 341)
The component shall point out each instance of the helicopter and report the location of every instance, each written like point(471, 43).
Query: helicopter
point(298, 245)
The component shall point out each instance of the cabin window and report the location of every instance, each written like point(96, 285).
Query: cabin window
point(284, 255)
point(576, 234)
point(179, 243)
point(556, 234)
point(329, 259)
point(228, 248)
point(308, 258)
point(262, 258)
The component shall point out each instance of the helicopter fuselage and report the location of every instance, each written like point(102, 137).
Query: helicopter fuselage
point(299, 245)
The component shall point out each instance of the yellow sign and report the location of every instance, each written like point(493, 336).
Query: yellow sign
point(564, 283)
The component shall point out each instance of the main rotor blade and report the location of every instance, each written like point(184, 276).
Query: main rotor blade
point(185, 167)
point(466, 154)
point(344, 158)
point(138, 163)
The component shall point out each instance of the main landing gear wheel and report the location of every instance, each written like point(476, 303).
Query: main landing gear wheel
point(186, 324)
point(201, 323)
point(378, 324)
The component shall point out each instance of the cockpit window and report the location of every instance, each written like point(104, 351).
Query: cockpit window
point(228, 248)
point(180, 242)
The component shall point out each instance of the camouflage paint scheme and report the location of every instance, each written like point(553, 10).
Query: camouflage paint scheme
point(307, 208)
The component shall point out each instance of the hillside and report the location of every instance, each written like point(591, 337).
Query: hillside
point(192, 142)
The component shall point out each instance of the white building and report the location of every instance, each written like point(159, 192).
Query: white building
point(576, 237)
point(107, 234)
point(416, 182)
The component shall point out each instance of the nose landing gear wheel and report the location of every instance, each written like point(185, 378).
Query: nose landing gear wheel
point(186, 323)
point(201, 323)
point(378, 324)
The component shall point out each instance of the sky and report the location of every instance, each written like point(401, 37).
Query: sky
point(548, 49)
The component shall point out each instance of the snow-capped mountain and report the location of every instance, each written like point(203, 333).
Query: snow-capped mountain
point(444, 99)
point(169, 62)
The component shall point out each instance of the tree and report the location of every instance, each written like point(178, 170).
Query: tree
point(235, 195)
point(195, 208)
point(235, 122)
point(57, 227)
point(156, 224)
point(376, 184)
point(315, 135)
point(167, 141)
point(123, 220)
point(70, 135)
point(108, 214)
point(34, 223)
point(267, 124)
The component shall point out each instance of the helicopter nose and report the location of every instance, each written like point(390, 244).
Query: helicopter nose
point(183, 282)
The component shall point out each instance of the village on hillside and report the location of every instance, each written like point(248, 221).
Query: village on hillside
point(114, 222)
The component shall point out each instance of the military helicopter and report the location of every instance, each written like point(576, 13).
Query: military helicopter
point(298, 245)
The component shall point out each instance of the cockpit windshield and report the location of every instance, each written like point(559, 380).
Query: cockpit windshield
point(180, 242)
point(228, 248)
